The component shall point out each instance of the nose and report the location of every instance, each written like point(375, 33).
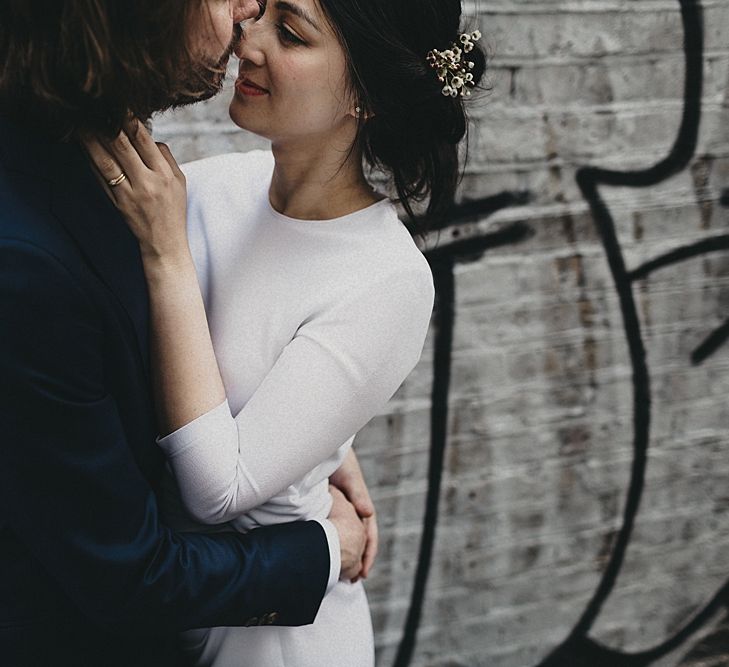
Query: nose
point(252, 46)
point(246, 9)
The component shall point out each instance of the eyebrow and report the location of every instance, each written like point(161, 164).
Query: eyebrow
point(283, 6)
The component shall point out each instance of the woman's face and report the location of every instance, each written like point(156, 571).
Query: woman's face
point(292, 81)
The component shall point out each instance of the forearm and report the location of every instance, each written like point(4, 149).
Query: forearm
point(214, 483)
point(187, 381)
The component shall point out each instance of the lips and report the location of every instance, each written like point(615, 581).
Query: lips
point(247, 87)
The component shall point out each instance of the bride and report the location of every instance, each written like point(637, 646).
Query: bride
point(288, 302)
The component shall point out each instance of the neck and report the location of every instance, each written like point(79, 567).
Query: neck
point(318, 181)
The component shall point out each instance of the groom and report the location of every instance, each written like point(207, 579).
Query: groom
point(88, 573)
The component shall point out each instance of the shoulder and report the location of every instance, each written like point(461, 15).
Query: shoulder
point(384, 317)
point(389, 284)
point(395, 261)
point(56, 327)
point(26, 216)
point(34, 242)
point(408, 288)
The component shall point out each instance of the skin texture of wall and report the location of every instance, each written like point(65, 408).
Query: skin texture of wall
point(552, 479)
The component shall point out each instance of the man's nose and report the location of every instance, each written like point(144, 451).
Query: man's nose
point(246, 9)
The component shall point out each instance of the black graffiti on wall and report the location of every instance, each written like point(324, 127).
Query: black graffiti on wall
point(442, 262)
point(579, 648)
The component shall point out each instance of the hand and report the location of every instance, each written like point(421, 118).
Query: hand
point(352, 537)
point(350, 481)
point(152, 197)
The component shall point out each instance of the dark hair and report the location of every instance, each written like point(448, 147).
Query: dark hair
point(411, 129)
point(70, 65)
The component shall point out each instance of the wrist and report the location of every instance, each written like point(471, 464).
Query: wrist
point(335, 556)
point(158, 266)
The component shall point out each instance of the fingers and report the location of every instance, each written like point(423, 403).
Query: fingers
point(336, 493)
point(106, 166)
point(356, 492)
point(370, 552)
point(341, 507)
point(164, 150)
point(354, 486)
point(363, 504)
point(371, 547)
point(125, 153)
point(132, 152)
point(349, 479)
point(352, 534)
point(145, 146)
point(114, 159)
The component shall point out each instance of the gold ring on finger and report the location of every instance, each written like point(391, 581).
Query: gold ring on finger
point(116, 181)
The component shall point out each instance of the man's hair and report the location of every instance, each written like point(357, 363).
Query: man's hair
point(84, 65)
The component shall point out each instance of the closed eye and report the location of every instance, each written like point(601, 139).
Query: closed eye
point(287, 36)
point(261, 9)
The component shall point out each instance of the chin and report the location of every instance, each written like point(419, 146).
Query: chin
point(201, 85)
point(244, 120)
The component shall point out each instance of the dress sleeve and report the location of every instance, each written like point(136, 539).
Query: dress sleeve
point(341, 367)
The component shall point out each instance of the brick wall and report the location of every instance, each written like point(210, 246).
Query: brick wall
point(542, 418)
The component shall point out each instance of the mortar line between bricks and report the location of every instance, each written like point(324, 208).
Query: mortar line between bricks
point(633, 161)
point(579, 8)
point(615, 58)
point(530, 213)
point(537, 61)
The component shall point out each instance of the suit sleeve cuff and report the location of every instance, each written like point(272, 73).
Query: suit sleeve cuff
point(335, 559)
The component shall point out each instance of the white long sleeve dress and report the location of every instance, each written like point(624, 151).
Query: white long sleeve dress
point(315, 324)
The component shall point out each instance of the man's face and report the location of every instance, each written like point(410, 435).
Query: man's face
point(213, 33)
point(212, 23)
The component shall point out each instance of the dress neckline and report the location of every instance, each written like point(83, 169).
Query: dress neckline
point(355, 216)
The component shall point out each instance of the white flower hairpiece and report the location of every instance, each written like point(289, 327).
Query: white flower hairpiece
point(453, 70)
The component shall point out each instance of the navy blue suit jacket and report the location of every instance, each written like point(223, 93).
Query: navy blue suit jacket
point(88, 574)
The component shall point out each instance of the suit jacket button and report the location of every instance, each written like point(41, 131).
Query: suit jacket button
point(270, 619)
point(251, 621)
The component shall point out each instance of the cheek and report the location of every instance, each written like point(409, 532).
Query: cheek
point(315, 89)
